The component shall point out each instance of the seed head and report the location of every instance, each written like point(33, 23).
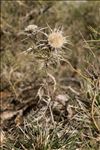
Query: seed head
point(31, 28)
point(56, 39)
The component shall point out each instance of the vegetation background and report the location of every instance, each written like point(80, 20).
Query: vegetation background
point(33, 116)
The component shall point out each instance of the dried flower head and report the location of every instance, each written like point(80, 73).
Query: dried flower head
point(31, 28)
point(56, 39)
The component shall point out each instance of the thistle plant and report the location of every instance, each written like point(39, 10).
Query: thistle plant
point(50, 75)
